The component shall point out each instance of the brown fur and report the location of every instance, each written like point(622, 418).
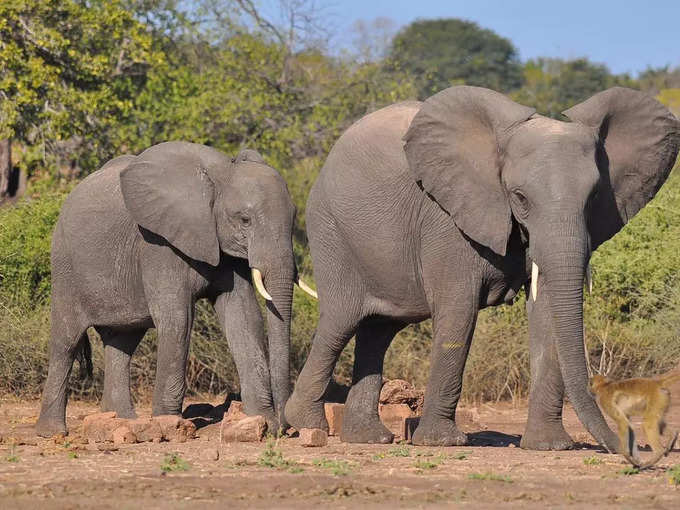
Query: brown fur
point(645, 397)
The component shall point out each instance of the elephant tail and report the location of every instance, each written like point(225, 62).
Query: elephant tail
point(84, 356)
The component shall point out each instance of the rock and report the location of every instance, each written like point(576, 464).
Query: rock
point(398, 391)
point(175, 428)
point(210, 454)
point(123, 435)
point(145, 430)
point(235, 412)
point(100, 426)
point(394, 417)
point(248, 429)
point(334, 413)
point(313, 437)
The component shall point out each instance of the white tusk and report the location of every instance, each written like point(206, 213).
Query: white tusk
point(257, 279)
point(589, 280)
point(307, 288)
point(534, 281)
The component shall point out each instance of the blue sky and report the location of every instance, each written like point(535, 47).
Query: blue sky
point(627, 36)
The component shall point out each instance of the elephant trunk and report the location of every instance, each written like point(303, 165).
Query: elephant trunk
point(562, 262)
point(279, 311)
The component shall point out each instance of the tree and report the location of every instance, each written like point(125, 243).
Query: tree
point(552, 85)
point(444, 52)
point(68, 71)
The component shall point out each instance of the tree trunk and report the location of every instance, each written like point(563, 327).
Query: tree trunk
point(10, 177)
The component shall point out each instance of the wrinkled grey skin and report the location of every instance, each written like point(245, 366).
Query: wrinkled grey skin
point(139, 241)
point(438, 209)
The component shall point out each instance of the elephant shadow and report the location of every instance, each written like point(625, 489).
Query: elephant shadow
point(204, 414)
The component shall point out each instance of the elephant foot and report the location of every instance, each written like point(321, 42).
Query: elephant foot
point(370, 430)
point(301, 414)
point(121, 412)
point(48, 427)
point(546, 436)
point(439, 432)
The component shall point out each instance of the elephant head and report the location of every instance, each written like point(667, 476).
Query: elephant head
point(205, 204)
point(569, 186)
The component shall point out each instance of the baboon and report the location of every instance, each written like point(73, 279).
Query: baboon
point(645, 397)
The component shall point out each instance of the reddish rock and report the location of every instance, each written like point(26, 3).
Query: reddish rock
point(394, 417)
point(235, 412)
point(398, 391)
point(145, 430)
point(175, 428)
point(123, 435)
point(334, 413)
point(248, 429)
point(313, 437)
point(100, 426)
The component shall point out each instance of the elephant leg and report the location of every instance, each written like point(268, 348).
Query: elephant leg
point(118, 349)
point(65, 338)
point(454, 325)
point(544, 429)
point(305, 407)
point(173, 317)
point(241, 320)
point(361, 422)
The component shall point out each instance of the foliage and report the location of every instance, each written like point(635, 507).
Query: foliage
point(490, 476)
point(444, 52)
point(272, 457)
point(337, 467)
point(553, 85)
point(674, 474)
point(173, 462)
point(593, 460)
point(68, 72)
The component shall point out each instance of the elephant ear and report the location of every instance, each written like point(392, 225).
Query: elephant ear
point(174, 201)
point(639, 141)
point(453, 147)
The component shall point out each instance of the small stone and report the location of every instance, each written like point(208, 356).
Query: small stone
point(210, 454)
point(398, 391)
point(313, 437)
point(235, 412)
point(145, 430)
point(99, 427)
point(123, 435)
point(394, 417)
point(248, 429)
point(175, 428)
point(334, 413)
point(511, 445)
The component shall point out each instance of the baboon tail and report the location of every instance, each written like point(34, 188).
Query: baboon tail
point(84, 356)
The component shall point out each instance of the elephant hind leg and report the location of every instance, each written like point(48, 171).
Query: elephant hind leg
point(361, 423)
point(118, 349)
point(64, 343)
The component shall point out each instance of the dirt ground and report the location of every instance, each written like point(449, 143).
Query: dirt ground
point(490, 472)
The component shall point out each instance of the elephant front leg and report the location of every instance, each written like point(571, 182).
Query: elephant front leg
point(173, 324)
point(118, 350)
point(242, 324)
point(453, 328)
point(544, 429)
point(361, 422)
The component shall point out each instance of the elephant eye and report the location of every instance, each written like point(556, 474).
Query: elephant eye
point(245, 221)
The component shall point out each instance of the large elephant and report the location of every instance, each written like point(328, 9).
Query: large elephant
point(140, 240)
point(440, 208)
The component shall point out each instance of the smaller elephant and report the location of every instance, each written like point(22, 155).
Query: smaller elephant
point(143, 238)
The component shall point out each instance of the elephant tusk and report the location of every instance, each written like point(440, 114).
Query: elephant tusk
point(589, 280)
point(534, 281)
point(257, 279)
point(307, 288)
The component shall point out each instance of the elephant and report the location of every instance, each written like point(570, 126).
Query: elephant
point(440, 208)
point(139, 241)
